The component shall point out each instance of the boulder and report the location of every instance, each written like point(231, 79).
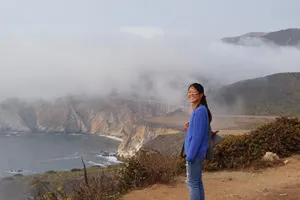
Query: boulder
point(270, 157)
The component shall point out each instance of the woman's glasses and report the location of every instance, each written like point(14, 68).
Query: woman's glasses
point(193, 93)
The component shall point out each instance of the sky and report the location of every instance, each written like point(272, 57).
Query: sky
point(52, 48)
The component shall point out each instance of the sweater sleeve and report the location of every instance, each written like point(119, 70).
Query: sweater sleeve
point(200, 121)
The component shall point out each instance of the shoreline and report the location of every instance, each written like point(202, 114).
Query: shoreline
point(14, 133)
point(104, 158)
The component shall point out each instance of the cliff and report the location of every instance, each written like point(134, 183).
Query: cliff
point(170, 145)
point(137, 135)
point(102, 115)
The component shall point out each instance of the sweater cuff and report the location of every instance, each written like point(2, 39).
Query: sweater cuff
point(188, 159)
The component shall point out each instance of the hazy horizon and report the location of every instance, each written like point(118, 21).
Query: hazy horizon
point(51, 49)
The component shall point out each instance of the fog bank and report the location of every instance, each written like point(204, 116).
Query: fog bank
point(56, 65)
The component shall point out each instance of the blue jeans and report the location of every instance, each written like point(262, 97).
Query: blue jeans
point(194, 179)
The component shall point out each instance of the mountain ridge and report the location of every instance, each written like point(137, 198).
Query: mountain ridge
point(284, 37)
point(275, 94)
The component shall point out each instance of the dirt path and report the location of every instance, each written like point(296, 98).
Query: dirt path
point(282, 183)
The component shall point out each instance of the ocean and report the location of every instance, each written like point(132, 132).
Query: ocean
point(37, 153)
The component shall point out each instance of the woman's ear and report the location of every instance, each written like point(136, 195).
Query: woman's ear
point(201, 95)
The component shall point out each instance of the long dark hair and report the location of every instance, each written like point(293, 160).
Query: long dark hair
point(203, 101)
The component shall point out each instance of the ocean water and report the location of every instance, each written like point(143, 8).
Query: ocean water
point(37, 153)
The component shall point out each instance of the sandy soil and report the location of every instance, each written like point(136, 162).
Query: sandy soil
point(281, 183)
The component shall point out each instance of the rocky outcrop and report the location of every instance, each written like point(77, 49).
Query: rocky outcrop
point(170, 144)
point(136, 136)
point(10, 119)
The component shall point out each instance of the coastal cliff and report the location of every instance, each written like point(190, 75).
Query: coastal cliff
point(104, 116)
point(137, 135)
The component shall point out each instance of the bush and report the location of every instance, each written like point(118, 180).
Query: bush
point(281, 137)
point(144, 169)
point(105, 186)
point(148, 168)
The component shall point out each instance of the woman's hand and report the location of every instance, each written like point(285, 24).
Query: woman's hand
point(186, 126)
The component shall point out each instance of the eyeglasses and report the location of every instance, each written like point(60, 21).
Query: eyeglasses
point(193, 93)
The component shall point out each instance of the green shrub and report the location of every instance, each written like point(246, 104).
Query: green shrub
point(235, 152)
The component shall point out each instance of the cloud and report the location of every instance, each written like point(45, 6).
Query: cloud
point(146, 32)
point(53, 66)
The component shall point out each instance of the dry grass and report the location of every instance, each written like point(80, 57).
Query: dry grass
point(142, 170)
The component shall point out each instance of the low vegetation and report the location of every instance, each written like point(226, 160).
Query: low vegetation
point(236, 152)
point(147, 168)
point(142, 170)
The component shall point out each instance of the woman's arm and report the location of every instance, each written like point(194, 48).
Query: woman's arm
point(200, 122)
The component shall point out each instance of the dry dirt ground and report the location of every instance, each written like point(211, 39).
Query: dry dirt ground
point(280, 183)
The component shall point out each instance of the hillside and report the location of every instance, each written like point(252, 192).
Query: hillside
point(277, 94)
point(287, 37)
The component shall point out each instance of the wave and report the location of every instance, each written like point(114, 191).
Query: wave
point(110, 159)
point(63, 158)
point(111, 137)
point(13, 134)
point(96, 164)
point(76, 134)
point(19, 171)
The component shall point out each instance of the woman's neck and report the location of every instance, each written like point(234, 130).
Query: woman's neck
point(195, 105)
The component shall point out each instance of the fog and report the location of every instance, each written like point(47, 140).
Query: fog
point(57, 65)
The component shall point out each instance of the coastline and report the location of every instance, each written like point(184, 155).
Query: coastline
point(100, 155)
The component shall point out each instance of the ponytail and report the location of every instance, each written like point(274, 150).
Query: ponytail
point(204, 102)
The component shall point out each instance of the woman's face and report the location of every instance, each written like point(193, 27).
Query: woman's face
point(194, 96)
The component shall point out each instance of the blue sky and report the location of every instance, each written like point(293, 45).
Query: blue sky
point(85, 45)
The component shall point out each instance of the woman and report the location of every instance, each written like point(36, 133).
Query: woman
point(196, 141)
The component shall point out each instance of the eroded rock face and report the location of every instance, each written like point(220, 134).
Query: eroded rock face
point(138, 135)
point(111, 116)
point(170, 144)
point(10, 119)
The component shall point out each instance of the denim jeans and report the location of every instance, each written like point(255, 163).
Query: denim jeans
point(194, 179)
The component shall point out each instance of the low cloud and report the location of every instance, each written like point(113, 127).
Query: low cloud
point(145, 32)
point(54, 66)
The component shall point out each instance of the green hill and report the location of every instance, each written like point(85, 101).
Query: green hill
point(277, 94)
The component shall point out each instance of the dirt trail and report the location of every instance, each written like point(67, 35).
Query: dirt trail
point(271, 184)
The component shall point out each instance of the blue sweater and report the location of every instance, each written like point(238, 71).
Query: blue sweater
point(196, 142)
